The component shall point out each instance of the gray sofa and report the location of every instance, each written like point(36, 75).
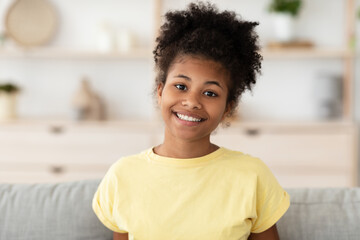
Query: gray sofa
point(63, 211)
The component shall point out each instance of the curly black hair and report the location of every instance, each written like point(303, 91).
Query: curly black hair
point(223, 37)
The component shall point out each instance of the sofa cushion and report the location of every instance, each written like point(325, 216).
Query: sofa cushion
point(322, 214)
point(50, 211)
point(63, 211)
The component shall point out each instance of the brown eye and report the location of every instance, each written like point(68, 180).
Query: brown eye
point(181, 87)
point(210, 94)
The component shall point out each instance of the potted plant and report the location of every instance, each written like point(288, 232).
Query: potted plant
point(284, 14)
point(8, 93)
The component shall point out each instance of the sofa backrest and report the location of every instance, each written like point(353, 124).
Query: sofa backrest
point(63, 212)
point(50, 211)
point(322, 214)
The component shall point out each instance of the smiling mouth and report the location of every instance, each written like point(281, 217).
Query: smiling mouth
point(188, 118)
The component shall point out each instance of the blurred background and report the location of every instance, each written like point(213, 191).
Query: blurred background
point(77, 78)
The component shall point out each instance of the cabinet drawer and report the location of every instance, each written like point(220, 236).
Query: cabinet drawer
point(334, 150)
point(300, 159)
point(66, 152)
point(41, 172)
point(71, 146)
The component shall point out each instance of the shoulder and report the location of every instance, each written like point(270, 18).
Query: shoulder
point(247, 165)
point(243, 160)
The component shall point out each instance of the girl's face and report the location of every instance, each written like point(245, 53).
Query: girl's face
point(193, 100)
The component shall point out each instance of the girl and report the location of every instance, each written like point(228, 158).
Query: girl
point(187, 187)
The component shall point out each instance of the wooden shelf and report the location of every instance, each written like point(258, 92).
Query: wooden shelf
point(54, 53)
point(268, 54)
point(306, 53)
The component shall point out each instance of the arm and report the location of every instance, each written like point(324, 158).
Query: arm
point(120, 236)
point(270, 234)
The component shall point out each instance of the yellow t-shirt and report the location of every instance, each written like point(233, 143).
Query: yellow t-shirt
point(223, 195)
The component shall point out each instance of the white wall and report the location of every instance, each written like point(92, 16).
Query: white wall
point(48, 84)
point(286, 89)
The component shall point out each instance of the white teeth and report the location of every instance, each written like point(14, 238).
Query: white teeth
point(187, 118)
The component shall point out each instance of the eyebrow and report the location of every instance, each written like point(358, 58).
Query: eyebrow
point(207, 82)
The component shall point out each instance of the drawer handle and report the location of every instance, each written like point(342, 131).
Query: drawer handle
point(57, 169)
point(56, 129)
point(252, 132)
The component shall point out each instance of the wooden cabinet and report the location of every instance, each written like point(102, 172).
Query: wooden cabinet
point(313, 155)
point(64, 152)
point(299, 155)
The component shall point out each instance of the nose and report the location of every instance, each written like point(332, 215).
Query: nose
point(192, 101)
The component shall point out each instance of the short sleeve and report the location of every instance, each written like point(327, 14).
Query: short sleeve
point(104, 199)
point(272, 201)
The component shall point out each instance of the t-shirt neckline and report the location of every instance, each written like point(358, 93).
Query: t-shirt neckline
point(183, 162)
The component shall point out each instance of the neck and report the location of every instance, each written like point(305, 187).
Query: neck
point(185, 149)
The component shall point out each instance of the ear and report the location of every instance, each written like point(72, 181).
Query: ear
point(159, 91)
point(229, 108)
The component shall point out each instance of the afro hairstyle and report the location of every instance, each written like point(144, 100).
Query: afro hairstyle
point(202, 30)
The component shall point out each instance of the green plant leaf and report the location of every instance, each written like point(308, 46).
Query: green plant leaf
point(286, 6)
point(9, 88)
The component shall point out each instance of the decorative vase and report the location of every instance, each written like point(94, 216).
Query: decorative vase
point(283, 27)
point(7, 106)
point(105, 38)
point(328, 93)
point(87, 104)
point(125, 41)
